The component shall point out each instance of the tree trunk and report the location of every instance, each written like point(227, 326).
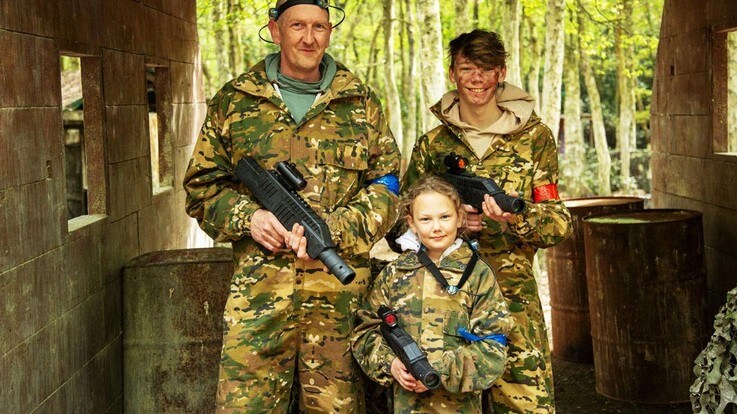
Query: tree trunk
point(626, 92)
point(533, 78)
point(575, 152)
point(463, 17)
point(235, 57)
point(475, 13)
point(394, 109)
point(432, 73)
point(219, 22)
point(512, 18)
point(732, 91)
point(371, 71)
point(553, 73)
point(597, 120)
point(411, 86)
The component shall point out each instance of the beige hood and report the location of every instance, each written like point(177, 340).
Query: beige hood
point(516, 105)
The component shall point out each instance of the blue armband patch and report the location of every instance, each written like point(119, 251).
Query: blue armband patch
point(468, 336)
point(390, 181)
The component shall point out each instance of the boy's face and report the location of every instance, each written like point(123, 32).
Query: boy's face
point(435, 221)
point(476, 84)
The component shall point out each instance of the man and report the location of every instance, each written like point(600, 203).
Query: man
point(287, 322)
point(493, 125)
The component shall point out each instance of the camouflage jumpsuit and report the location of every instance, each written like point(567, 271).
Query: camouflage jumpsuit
point(285, 314)
point(432, 317)
point(526, 162)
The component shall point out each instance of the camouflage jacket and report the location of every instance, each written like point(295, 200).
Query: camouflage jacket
point(523, 161)
point(432, 317)
point(342, 143)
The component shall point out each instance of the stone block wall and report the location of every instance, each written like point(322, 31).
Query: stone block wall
point(690, 167)
point(60, 280)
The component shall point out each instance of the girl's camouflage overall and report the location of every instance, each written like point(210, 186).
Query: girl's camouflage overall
point(285, 314)
point(432, 317)
point(522, 161)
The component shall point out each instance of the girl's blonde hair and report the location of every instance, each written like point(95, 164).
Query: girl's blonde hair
point(431, 184)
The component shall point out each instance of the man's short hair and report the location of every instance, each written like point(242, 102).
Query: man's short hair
point(482, 47)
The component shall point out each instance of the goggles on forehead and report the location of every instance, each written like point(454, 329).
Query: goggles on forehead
point(276, 12)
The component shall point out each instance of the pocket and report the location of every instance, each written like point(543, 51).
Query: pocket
point(342, 165)
point(454, 320)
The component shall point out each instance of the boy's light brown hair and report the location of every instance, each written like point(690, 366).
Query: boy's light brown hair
point(482, 47)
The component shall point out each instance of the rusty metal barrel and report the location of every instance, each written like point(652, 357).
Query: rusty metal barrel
point(569, 295)
point(173, 305)
point(647, 297)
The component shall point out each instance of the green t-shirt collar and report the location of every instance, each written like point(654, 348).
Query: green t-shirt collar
point(328, 68)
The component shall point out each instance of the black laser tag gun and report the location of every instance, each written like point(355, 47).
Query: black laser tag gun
point(276, 191)
point(406, 349)
point(472, 187)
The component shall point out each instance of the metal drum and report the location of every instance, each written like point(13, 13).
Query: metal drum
point(647, 295)
point(173, 305)
point(569, 301)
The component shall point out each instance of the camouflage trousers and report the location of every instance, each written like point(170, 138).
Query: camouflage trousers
point(527, 383)
point(290, 323)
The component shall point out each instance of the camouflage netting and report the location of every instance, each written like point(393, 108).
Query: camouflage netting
point(715, 388)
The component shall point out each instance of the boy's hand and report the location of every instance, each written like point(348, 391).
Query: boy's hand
point(493, 211)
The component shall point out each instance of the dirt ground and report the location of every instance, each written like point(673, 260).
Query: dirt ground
point(575, 383)
point(575, 393)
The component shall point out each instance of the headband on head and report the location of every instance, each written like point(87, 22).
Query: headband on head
point(276, 12)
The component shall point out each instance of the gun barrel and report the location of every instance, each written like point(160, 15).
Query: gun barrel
point(337, 266)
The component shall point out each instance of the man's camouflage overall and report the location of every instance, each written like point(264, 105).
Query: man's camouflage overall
point(523, 160)
point(285, 319)
point(433, 317)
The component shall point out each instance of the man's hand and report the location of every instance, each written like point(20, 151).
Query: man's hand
point(405, 379)
point(297, 242)
point(268, 231)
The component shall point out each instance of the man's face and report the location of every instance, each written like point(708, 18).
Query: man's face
point(476, 84)
point(303, 32)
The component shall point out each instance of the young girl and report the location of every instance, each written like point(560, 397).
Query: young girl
point(446, 299)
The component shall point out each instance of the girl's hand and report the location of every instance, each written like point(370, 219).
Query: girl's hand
point(405, 379)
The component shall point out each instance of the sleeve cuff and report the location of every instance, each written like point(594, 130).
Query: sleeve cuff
point(242, 214)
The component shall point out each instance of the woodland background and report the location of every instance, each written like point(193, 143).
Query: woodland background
point(589, 63)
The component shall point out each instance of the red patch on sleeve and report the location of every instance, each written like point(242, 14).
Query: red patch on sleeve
point(546, 192)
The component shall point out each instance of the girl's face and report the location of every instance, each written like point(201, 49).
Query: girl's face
point(435, 220)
